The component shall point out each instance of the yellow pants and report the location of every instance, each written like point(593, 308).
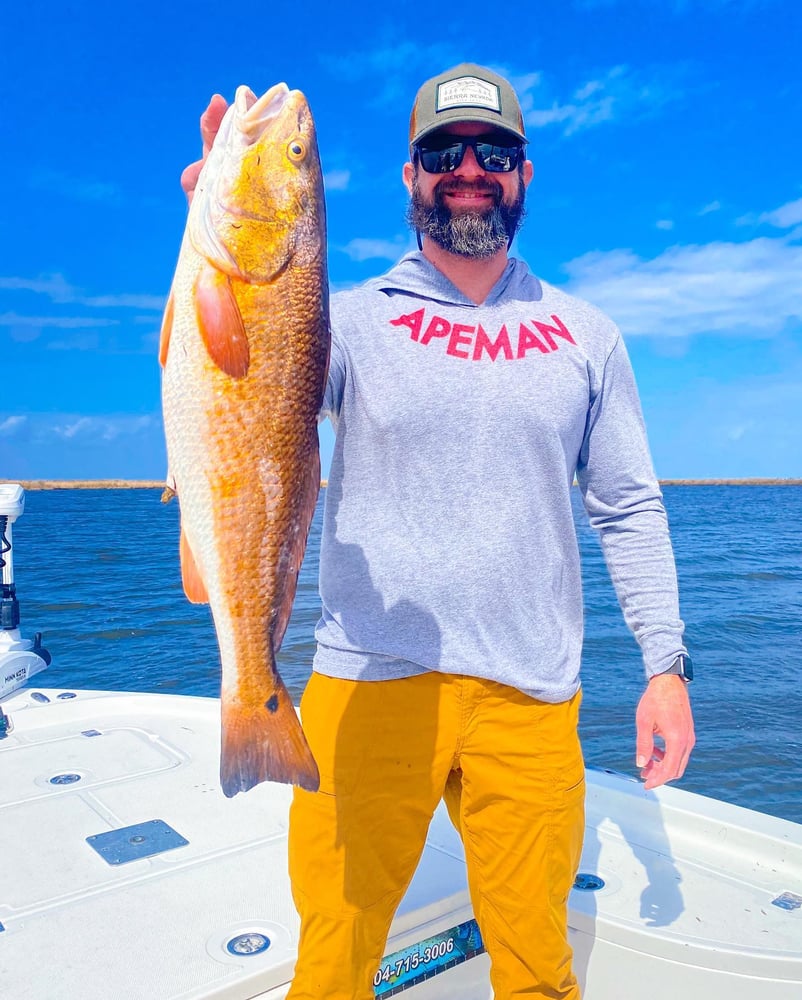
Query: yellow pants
point(511, 771)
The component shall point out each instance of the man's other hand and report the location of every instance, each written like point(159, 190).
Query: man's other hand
point(665, 711)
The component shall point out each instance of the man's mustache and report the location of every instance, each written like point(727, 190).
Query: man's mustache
point(458, 187)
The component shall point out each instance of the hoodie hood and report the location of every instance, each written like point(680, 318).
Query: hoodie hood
point(415, 275)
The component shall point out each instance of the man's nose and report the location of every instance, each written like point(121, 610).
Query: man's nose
point(470, 165)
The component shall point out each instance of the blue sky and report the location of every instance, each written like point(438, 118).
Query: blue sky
point(666, 138)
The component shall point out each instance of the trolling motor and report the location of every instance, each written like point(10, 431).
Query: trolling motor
point(20, 658)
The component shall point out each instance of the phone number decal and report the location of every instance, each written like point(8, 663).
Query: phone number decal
point(427, 958)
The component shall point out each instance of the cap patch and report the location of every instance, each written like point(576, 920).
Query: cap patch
point(468, 92)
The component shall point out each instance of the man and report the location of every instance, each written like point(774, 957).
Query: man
point(466, 395)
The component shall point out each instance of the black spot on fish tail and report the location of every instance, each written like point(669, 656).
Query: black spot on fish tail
point(264, 743)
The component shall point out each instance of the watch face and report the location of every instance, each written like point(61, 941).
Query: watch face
point(682, 666)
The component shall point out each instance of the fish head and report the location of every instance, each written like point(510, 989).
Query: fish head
point(259, 206)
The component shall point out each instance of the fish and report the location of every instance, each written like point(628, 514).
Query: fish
point(244, 350)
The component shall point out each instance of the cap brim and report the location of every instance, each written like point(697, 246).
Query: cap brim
point(444, 122)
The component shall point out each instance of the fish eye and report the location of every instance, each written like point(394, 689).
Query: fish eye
point(296, 150)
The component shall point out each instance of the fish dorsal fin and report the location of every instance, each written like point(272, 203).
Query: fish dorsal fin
point(194, 587)
point(220, 322)
point(167, 329)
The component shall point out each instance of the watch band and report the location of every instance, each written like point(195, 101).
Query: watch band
point(682, 666)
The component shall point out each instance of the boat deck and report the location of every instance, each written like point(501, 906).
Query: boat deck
point(126, 873)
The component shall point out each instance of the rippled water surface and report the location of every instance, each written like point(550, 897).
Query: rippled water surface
point(97, 572)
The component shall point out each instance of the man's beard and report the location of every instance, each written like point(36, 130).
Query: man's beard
point(476, 235)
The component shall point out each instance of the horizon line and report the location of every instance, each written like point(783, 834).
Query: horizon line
point(119, 484)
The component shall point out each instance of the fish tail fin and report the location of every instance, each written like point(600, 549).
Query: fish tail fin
point(264, 741)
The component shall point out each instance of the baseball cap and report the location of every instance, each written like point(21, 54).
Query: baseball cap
point(466, 93)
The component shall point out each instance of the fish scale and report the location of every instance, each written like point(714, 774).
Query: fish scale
point(245, 346)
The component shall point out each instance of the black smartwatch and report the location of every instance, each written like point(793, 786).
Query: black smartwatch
point(683, 666)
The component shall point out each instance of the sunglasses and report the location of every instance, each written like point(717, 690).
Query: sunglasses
point(441, 156)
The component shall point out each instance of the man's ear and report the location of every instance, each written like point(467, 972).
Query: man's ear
point(529, 172)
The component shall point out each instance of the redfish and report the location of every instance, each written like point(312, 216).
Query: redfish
point(244, 350)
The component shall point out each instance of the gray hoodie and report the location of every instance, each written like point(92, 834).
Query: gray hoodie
point(448, 539)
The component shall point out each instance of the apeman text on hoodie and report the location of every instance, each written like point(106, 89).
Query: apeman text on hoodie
point(448, 539)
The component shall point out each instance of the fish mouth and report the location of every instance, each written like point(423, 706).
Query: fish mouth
point(250, 122)
point(254, 114)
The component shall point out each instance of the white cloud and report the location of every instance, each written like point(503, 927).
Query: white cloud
point(70, 430)
point(62, 322)
point(394, 67)
point(25, 328)
point(126, 426)
point(337, 180)
point(11, 424)
point(574, 116)
point(713, 206)
point(737, 432)
point(59, 290)
point(366, 249)
point(750, 287)
point(57, 431)
point(618, 93)
point(154, 302)
point(105, 428)
point(54, 286)
point(665, 224)
point(785, 216)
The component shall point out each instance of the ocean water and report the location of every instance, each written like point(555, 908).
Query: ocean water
point(97, 573)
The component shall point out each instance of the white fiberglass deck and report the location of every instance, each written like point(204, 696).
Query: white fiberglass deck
point(698, 896)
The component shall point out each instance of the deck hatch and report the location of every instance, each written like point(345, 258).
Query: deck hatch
point(132, 843)
point(788, 901)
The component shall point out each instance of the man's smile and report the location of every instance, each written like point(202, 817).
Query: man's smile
point(467, 195)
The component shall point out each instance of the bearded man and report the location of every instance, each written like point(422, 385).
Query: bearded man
point(467, 395)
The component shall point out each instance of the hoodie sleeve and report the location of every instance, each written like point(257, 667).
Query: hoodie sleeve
point(625, 505)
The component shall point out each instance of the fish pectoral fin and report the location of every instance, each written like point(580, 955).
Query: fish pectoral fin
point(194, 587)
point(264, 742)
point(166, 330)
point(220, 322)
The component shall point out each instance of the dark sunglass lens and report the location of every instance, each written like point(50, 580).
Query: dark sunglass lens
point(444, 155)
point(441, 159)
point(497, 159)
